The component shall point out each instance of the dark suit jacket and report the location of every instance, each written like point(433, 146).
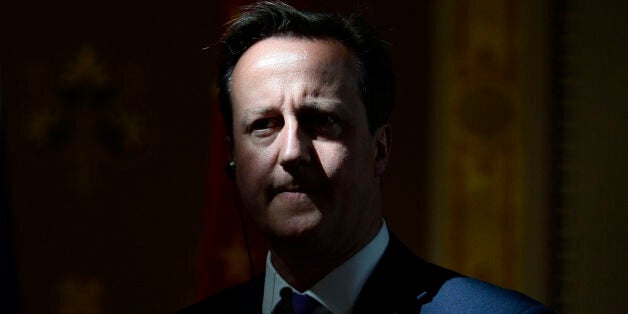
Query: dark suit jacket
point(400, 283)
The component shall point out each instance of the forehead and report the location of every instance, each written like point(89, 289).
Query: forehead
point(279, 52)
point(277, 70)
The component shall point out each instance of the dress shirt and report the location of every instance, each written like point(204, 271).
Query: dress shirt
point(339, 289)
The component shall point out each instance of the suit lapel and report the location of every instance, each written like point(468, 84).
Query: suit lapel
point(400, 282)
point(253, 297)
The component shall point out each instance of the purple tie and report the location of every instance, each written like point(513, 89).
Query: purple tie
point(296, 303)
point(303, 303)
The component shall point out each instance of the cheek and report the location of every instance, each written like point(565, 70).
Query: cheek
point(335, 160)
point(252, 167)
point(347, 165)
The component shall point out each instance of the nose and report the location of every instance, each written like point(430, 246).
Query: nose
point(296, 145)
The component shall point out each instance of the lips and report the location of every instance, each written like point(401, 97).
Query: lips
point(292, 190)
point(298, 188)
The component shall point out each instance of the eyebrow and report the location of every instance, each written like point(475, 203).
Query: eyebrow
point(311, 106)
point(325, 105)
point(254, 112)
point(259, 111)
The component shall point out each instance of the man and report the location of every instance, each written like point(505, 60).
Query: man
point(306, 98)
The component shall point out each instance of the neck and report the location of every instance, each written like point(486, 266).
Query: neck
point(302, 263)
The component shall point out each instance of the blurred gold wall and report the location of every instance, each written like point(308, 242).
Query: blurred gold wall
point(490, 136)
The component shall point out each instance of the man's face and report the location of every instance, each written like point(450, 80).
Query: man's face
point(307, 164)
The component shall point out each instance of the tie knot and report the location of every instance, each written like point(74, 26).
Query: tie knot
point(303, 303)
point(299, 303)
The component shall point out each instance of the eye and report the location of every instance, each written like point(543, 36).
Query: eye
point(325, 125)
point(323, 121)
point(264, 127)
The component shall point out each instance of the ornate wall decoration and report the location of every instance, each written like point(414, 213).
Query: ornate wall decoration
point(86, 122)
point(484, 168)
point(480, 195)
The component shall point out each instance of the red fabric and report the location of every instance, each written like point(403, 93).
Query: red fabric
point(223, 260)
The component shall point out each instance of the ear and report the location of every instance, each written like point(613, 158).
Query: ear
point(230, 167)
point(383, 142)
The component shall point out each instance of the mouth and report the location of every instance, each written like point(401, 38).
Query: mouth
point(296, 198)
point(292, 190)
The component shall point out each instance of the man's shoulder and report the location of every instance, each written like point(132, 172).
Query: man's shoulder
point(242, 298)
point(404, 283)
point(469, 295)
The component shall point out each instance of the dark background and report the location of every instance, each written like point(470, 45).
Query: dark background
point(121, 208)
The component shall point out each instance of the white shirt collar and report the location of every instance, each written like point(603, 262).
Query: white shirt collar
point(339, 289)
